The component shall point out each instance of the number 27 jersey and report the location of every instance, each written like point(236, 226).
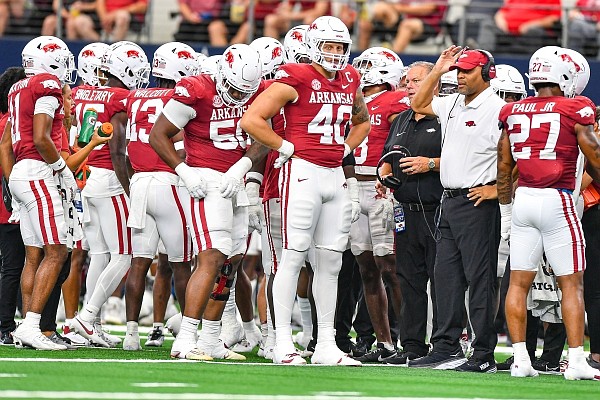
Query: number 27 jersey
point(543, 139)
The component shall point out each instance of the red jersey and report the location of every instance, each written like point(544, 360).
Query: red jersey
point(213, 138)
point(543, 140)
point(316, 121)
point(21, 104)
point(271, 177)
point(381, 107)
point(143, 108)
point(107, 101)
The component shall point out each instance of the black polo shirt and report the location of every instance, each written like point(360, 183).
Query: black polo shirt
point(422, 138)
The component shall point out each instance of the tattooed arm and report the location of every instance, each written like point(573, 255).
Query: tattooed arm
point(360, 122)
point(505, 169)
point(590, 146)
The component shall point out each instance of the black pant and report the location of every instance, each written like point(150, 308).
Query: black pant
point(13, 261)
point(467, 257)
point(48, 320)
point(591, 276)
point(415, 259)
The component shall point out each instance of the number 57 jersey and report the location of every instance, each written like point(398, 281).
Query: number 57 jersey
point(316, 121)
point(543, 139)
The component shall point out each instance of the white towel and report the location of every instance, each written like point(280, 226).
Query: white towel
point(138, 192)
point(545, 296)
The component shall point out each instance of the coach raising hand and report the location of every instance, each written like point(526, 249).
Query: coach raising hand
point(466, 256)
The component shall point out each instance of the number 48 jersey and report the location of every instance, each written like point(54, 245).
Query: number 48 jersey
point(316, 121)
point(143, 108)
point(543, 139)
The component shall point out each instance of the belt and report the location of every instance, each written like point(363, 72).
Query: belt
point(419, 207)
point(362, 178)
point(463, 191)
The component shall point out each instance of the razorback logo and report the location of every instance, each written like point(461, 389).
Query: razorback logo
point(388, 55)
point(50, 47)
point(50, 84)
point(184, 54)
point(133, 53)
point(586, 112)
point(180, 90)
point(229, 58)
point(567, 58)
point(470, 123)
point(277, 52)
point(281, 74)
point(297, 36)
point(313, 26)
point(88, 53)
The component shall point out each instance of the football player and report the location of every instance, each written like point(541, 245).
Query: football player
point(319, 100)
point(544, 135)
point(105, 196)
point(157, 200)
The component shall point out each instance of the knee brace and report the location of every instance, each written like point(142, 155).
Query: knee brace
point(223, 282)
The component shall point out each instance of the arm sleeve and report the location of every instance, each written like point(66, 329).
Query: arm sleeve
point(178, 114)
point(46, 105)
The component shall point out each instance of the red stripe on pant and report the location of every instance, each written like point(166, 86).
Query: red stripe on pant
point(285, 195)
point(127, 230)
point(579, 232)
point(51, 216)
point(267, 209)
point(40, 208)
point(201, 209)
point(119, 224)
point(186, 255)
point(571, 230)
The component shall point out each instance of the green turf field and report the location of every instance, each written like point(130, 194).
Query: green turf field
point(149, 374)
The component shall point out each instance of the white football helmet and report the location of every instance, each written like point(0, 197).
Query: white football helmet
point(323, 30)
point(552, 64)
point(449, 83)
point(127, 62)
point(583, 70)
point(210, 66)
point(239, 74)
point(375, 57)
point(508, 80)
point(391, 74)
point(174, 61)
point(296, 51)
point(49, 54)
point(271, 55)
point(88, 62)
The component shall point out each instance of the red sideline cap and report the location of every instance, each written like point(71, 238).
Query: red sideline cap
point(469, 60)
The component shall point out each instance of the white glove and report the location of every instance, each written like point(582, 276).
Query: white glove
point(66, 179)
point(256, 214)
point(505, 220)
point(346, 150)
point(231, 181)
point(285, 152)
point(354, 196)
point(385, 209)
point(192, 180)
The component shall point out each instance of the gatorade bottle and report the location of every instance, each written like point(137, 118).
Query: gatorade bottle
point(88, 124)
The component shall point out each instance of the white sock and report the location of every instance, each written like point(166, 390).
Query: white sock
point(32, 319)
point(284, 294)
point(89, 313)
point(97, 264)
point(132, 328)
point(189, 327)
point(249, 327)
point(576, 355)
point(388, 346)
point(264, 329)
point(110, 278)
point(520, 353)
point(208, 337)
point(68, 322)
point(325, 285)
point(230, 311)
point(306, 314)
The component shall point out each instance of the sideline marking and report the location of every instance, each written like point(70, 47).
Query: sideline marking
point(163, 384)
point(13, 376)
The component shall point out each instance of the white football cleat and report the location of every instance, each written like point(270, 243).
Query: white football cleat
point(90, 331)
point(522, 371)
point(582, 371)
point(132, 342)
point(156, 338)
point(287, 357)
point(219, 351)
point(252, 339)
point(187, 350)
point(75, 338)
point(174, 324)
point(232, 333)
point(114, 311)
point(331, 355)
point(28, 336)
point(302, 340)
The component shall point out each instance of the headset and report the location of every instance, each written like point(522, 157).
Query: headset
point(488, 70)
point(393, 182)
